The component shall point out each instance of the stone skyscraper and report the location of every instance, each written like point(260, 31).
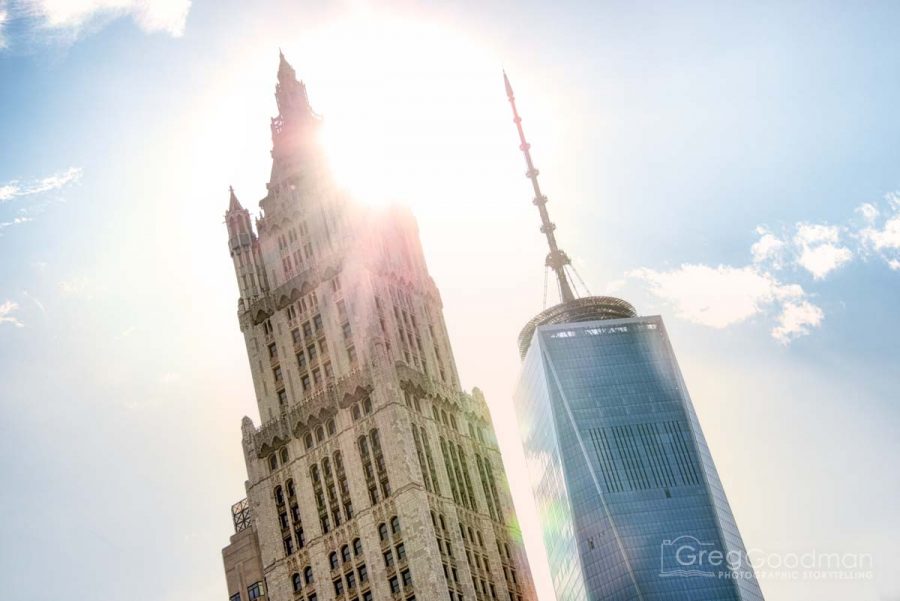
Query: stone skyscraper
point(373, 476)
point(630, 502)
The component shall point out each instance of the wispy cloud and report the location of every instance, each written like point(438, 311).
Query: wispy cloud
point(4, 17)
point(722, 296)
point(15, 189)
point(6, 310)
point(725, 295)
point(166, 16)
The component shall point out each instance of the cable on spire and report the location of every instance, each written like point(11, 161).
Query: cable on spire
point(557, 260)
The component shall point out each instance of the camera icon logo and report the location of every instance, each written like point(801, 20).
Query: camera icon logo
point(689, 556)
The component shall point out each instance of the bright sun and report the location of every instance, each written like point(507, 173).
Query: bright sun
point(409, 108)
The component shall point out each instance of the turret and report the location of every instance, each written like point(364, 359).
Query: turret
point(242, 245)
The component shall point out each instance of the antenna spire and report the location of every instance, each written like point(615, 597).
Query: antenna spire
point(557, 259)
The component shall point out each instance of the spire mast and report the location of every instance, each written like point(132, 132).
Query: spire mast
point(557, 259)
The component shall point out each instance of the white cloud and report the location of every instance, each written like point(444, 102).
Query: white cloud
point(6, 310)
point(14, 189)
point(820, 249)
point(168, 16)
point(886, 237)
point(868, 211)
point(796, 319)
point(769, 248)
point(718, 296)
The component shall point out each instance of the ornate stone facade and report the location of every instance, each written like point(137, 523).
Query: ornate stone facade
point(373, 475)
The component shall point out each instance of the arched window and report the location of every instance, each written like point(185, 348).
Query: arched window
point(330, 427)
point(290, 488)
point(333, 560)
point(314, 472)
point(395, 525)
point(443, 523)
point(298, 583)
point(320, 434)
point(308, 575)
point(376, 440)
point(480, 540)
point(345, 553)
point(357, 547)
point(284, 455)
point(363, 445)
point(308, 440)
point(279, 495)
point(273, 462)
point(367, 406)
point(382, 531)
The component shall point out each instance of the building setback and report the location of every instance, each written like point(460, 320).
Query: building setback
point(629, 500)
point(373, 475)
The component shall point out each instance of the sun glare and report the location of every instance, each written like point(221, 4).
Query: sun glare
point(407, 107)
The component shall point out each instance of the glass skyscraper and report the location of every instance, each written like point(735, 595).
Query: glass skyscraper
point(629, 498)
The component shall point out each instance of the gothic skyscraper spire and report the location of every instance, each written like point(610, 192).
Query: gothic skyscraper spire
point(557, 259)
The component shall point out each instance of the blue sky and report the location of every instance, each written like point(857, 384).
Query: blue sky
point(730, 167)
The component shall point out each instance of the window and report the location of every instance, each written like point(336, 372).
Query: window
point(333, 560)
point(290, 483)
point(401, 552)
point(288, 545)
point(301, 360)
point(276, 373)
point(363, 572)
point(283, 520)
point(351, 354)
point(382, 531)
point(295, 335)
point(279, 495)
point(317, 322)
point(320, 434)
point(357, 547)
point(273, 462)
point(307, 329)
point(273, 351)
point(347, 331)
point(395, 525)
point(284, 459)
point(367, 406)
point(354, 412)
point(317, 376)
point(367, 596)
point(388, 558)
point(311, 351)
point(282, 397)
point(308, 575)
point(255, 591)
point(301, 540)
point(308, 440)
point(407, 577)
point(329, 371)
point(304, 382)
point(351, 580)
point(235, 597)
point(312, 597)
point(338, 587)
point(395, 584)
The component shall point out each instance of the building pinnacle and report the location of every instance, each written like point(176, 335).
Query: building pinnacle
point(557, 259)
